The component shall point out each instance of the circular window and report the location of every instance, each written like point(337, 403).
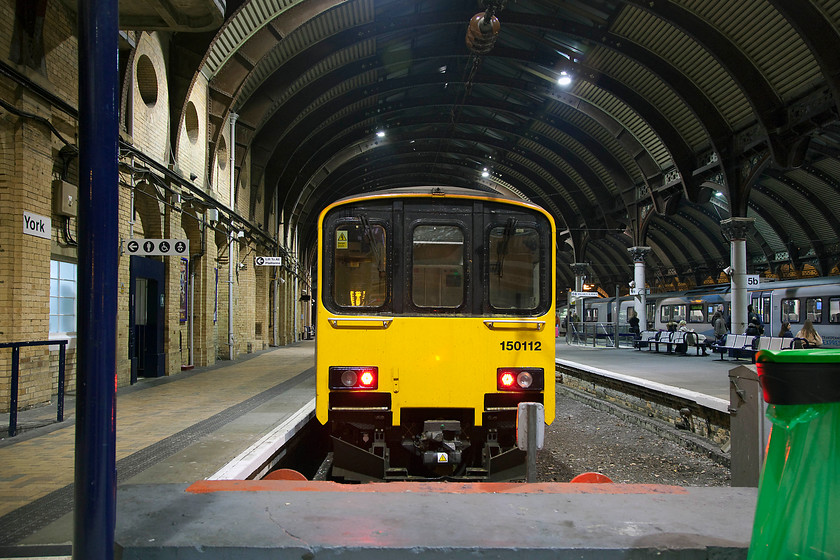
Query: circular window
point(191, 122)
point(222, 153)
point(147, 81)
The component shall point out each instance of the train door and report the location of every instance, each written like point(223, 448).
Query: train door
point(146, 318)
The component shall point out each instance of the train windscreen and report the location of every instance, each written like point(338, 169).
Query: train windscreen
point(515, 267)
point(360, 269)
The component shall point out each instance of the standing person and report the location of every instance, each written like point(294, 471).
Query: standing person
point(753, 317)
point(811, 337)
point(719, 324)
point(785, 331)
point(634, 323)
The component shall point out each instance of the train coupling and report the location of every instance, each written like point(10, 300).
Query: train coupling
point(440, 442)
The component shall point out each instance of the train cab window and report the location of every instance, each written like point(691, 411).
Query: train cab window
point(813, 309)
point(695, 313)
point(790, 310)
point(437, 266)
point(514, 253)
point(834, 310)
point(591, 315)
point(359, 275)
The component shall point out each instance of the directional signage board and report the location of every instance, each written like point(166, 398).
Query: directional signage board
point(268, 261)
point(585, 294)
point(158, 247)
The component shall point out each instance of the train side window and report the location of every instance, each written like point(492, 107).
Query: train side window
point(813, 309)
point(665, 313)
point(695, 313)
point(437, 278)
point(359, 275)
point(514, 271)
point(790, 310)
point(834, 310)
point(679, 313)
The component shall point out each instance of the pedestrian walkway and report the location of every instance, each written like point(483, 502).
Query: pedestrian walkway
point(204, 409)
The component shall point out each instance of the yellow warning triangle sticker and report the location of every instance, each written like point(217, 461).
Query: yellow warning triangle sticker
point(342, 236)
point(442, 458)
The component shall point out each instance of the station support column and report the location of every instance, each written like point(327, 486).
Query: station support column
point(580, 275)
point(639, 303)
point(735, 230)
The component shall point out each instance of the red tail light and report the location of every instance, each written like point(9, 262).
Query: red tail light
point(353, 377)
point(519, 379)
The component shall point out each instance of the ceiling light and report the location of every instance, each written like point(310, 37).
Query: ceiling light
point(564, 79)
point(380, 134)
point(485, 173)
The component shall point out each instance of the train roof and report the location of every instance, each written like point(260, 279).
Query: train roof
point(722, 289)
point(442, 191)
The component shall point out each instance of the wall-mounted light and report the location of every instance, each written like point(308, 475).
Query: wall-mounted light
point(728, 271)
point(564, 79)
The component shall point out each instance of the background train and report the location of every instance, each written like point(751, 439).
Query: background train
point(435, 319)
point(795, 301)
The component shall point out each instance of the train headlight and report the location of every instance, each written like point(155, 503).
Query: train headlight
point(349, 378)
point(353, 377)
point(519, 379)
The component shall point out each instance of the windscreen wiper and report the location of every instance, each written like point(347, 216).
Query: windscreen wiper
point(502, 248)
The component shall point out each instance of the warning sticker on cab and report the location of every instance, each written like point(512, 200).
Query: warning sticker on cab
point(340, 239)
point(442, 458)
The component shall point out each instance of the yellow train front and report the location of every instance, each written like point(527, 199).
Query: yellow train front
point(435, 319)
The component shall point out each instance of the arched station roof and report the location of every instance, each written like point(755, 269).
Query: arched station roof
point(680, 114)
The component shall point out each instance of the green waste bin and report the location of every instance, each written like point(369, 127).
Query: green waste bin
point(798, 509)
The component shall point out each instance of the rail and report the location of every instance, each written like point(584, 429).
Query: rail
point(13, 397)
point(599, 334)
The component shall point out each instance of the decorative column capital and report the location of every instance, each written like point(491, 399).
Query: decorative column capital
point(638, 253)
point(736, 228)
point(579, 268)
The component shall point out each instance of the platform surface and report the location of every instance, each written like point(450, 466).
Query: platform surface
point(279, 519)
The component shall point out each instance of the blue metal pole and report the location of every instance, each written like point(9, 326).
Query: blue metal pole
point(96, 481)
point(13, 401)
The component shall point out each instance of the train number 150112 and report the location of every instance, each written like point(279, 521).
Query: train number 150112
point(518, 345)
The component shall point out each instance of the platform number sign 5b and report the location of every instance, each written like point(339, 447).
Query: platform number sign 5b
point(158, 247)
point(752, 280)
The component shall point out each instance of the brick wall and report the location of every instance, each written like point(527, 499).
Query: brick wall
point(29, 162)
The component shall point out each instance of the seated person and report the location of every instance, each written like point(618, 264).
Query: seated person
point(785, 331)
point(811, 337)
point(753, 329)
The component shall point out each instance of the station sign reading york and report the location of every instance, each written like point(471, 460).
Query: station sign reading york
point(158, 247)
point(37, 225)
